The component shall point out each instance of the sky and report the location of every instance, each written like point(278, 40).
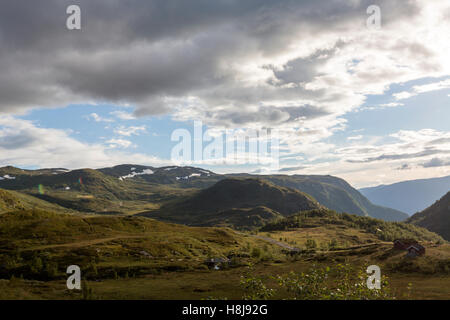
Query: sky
point(344, 98)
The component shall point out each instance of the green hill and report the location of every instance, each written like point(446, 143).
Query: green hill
point(12, 200)
point(435, 218)
point(35, 244)
point(122, 189)
point(9, 202)
point(240, 203)
point(87, 190)
point(382, 230)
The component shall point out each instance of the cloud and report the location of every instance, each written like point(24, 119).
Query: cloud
point(400, 156)
point(436, 162)
point(119, 143)
point(404, 95)
point(130, 131)
point(434, 86)
point(445, 84)
point(122, 115)
point(11, 139)
point(24, 144)
point(391, 104)
point(404, 166)
point(97, 118)
point(288, 169)
point(258, 62)
point(296, 66)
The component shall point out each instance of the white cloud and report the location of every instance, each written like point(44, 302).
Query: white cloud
point(121, 143)
point(391, 105)
point(123, 115)
point(379, 159)
point(55, 148)
point(358, 137)
point(98, 118)
point(129, 131)
point(434, 86)
point(404, 95)
point(445, 84)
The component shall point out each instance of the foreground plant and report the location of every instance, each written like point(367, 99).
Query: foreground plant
point(341, 283)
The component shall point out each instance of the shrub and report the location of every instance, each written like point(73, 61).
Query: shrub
point(333, 244)
point(256, 253)
point(311, 244)
point(315, 284)
point(254, 287)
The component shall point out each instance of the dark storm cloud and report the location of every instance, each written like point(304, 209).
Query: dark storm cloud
point(303, 70)
point(140, 52)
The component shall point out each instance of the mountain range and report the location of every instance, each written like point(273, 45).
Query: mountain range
point(197, 197)
point(135, 189)
point(408, 196)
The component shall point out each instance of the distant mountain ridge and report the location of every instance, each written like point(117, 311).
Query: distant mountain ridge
point(435, 218)
point(337, 194)
point(409, 196)
point(131, 188)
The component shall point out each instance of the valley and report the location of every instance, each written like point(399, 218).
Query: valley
point(140, 232)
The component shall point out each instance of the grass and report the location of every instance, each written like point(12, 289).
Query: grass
point(206, 284)
point(129, 257)
point(382, 230)
point(33, 243)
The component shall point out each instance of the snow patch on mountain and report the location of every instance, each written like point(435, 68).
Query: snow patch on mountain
point(134, 174)
point(7, 177)
point(189, 176)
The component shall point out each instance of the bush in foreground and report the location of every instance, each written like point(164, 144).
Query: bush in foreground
point(340, 283)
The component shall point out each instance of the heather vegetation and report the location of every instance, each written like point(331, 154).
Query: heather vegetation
point(383, 230)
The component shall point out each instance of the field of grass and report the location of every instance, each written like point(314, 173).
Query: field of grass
point(382, 230)
point(128, 257)
point(209, 284)
point(38, 245)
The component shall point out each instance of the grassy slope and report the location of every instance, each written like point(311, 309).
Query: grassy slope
point(12, 200)
point(50, 241)
point(436, 218)
point(90, 190)
point(40, 245)
point(374, 228)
